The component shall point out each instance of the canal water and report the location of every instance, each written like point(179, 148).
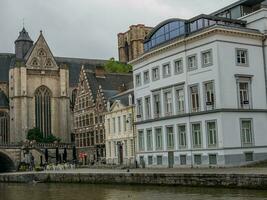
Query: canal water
point(42, 191)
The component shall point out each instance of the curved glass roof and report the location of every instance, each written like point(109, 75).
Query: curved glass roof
point(173, 28)
point(165, 31)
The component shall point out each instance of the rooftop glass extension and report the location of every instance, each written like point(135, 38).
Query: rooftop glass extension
point(175, 28)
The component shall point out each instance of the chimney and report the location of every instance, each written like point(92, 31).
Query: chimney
point(100, 72)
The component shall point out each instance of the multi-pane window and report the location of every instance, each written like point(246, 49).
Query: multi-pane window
point(191, 62)
point(124, 123)
point(166, 68)
point(209, 95)
point(246, 132)
point(114, 125)
point(196, 135)
point(138, 79)
point(150, 160)
point(147, 107)
point(182, 136)
point(141, 142)
point(157, 105)
point(197, 159)
point(242, 57)
point(206, 58)
point(194, 95)
point(119, 124)
point(159, 160)
point(139, 108)
point(168, 102)
point(155, 73)
point(180, 107)
point(212, 159)
point(149, 140)
point(158, 137)
point(170, 137)
point(212, 133)
point(178, 66)
point(146, 77)
point(244, 94)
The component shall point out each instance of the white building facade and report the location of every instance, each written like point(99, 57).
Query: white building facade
point(119, 129)
point(200, 93)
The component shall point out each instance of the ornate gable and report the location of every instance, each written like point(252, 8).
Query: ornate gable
point(100, 101)
point(40, 57)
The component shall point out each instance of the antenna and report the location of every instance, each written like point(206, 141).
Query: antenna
point(23, 23)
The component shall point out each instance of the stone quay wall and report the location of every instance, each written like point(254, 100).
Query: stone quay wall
point(257, 181)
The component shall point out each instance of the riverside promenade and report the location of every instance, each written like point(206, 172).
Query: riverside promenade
point(253, 178)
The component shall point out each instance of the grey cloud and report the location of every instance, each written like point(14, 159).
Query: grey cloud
point(88, 28)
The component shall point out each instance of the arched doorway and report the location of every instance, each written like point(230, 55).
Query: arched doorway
point(6, 163)
point(43, 110)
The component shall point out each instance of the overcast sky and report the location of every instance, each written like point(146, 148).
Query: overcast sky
point(88, 28)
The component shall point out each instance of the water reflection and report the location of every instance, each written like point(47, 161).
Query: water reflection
point(121, 192)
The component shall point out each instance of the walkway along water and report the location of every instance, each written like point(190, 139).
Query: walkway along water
point(253, 178)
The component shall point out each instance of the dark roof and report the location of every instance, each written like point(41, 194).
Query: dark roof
point(5, 61)
point(123, 97)
point(110, 84)
point(75, 65)
point(24, 36)
point(241, 2)
point(3, 100)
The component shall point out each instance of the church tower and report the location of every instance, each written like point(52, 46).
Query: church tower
point(23, 44)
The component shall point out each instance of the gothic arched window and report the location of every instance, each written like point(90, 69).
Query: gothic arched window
point(4, 128)
point(41, 52)
point(43, 110)
point(35, 62)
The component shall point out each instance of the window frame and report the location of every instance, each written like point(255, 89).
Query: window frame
point(182, 65)
point(164, 75)
point(144, 80)
point(180, 87)
point(211, 58)
point(198, 146)
point(212, 106)
point(155, 132)
point(172, 146)
point(149, 148)
point(246, 57)
point(196, 62)
point(207, 133)
point(165, 91)
point(247, 80)
point(158, 77)
point(148, 115)
point(190, 98)
point(157, 115)
point(138, 84)
point(252, 133)
point(141, 148)
point(178, 136)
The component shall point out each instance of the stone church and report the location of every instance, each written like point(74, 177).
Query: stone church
point(38, 89)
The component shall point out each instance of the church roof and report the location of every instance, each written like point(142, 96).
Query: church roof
point(24, 36)
point(110, 82)
point(5, 60)
point(3, 100)
point(75, 65)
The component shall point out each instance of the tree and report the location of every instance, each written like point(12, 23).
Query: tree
point(37, 135)
point(114, 66)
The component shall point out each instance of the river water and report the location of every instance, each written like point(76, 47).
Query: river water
point(42, 191)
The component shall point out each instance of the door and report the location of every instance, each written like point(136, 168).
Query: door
point(171, 159)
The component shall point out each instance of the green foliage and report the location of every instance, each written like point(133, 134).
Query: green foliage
point(37, 135)
point(114, 66)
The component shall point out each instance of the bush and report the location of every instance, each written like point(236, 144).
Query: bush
point(37, 135)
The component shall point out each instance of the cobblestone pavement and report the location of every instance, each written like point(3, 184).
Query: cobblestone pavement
point(165, 171)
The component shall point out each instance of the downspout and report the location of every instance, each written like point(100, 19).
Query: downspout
point(264, 64)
